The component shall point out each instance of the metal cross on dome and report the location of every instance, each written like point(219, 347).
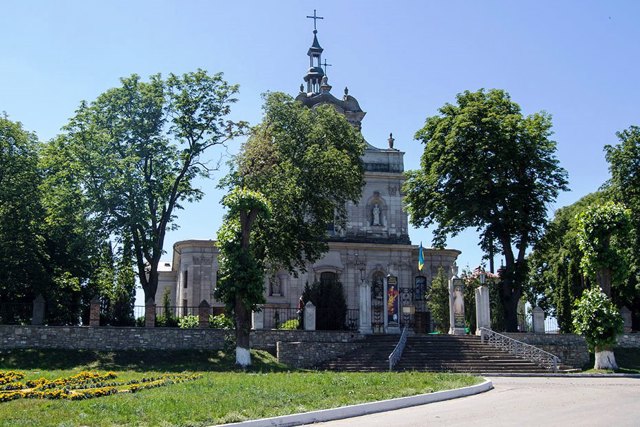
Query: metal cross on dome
point(325, 65)
point(315, 18)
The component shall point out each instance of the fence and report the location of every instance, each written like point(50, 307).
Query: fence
point(276, 317)
point(15, 313)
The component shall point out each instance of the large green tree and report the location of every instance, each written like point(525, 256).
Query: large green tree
point(137, 151)
point(556, 279)
point(487, 166)
point(21, 245)
point(306, 165)
point(624, 165)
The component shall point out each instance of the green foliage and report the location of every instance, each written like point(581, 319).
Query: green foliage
point(22, 249)
point(290, 324)
point(555, 276)
point(603, 237)
point(136, 151)
point(241, 272)
point(595, 317)
point(331, 306)
point(305, 164)
point(220, 321)
point(487, 166)
point(167, 318)
point(186, 322)
point(438, 301)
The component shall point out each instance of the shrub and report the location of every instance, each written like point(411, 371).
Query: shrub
point(290, 324)
point(188, 322)
point(331, 307)
point(438, 302)
point(595, 317)
point(221, 321)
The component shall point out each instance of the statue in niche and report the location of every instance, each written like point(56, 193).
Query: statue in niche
point(276, 286)
point(376, 215)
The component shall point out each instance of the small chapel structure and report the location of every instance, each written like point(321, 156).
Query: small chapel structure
point(372, 256)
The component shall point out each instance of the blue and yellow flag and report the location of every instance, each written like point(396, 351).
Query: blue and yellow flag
point(420, 258)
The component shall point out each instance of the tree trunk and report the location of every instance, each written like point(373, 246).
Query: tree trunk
point(604, 280)
point(243, 327)
point(510, 305)
point(605, 359)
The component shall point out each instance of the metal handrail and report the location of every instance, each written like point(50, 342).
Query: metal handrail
point(396, 354)
point(520, 349)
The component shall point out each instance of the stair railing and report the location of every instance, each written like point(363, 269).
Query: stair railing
point(396, 354)
point(520, 349)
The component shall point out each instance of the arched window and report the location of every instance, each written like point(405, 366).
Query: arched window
point(328, 277)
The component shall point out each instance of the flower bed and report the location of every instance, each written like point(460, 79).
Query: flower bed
point(85, 385)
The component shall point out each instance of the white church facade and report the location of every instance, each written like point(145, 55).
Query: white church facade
point(372, 256)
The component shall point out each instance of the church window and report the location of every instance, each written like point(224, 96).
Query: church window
point(185, 279)
point(328, 277)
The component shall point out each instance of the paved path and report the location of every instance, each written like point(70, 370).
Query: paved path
point(567, 402)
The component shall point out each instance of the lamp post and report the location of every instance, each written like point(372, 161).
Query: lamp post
point(483, 316)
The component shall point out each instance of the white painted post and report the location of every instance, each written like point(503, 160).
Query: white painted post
point(309, 316)
point(483, 307)
point(257, 319)
point(538, 320)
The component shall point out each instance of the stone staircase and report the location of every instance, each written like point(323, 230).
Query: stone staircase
point(372, 356)
point(462, 353)
point(438, 353)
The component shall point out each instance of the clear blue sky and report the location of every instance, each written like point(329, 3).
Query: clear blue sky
point(577, 60)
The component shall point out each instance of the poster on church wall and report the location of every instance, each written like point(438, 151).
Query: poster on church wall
point(393, 300)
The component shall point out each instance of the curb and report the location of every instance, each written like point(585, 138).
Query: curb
point(365, 408)
point(568, 375)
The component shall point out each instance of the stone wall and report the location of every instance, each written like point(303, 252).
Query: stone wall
point(120, 338)
point(571, 349)
point(109, 338)
point(629, 340)
point(311, 354)
point(266, 339)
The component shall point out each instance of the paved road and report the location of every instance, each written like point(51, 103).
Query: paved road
point(567, 402)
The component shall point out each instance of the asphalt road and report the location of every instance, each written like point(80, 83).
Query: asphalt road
point(546, 401)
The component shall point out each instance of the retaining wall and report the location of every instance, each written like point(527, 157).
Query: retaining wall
point(106, 338)
point(571, 349)
point(629, 340)
point(311, 354)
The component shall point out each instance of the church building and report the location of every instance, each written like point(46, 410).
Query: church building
point(372, 256)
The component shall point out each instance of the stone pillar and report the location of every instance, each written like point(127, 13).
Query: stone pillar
point(309, 316)
point(456, 306)
point(257, 319)
point(94, 312)
point(150, 314)
point(37, 316)
point(204, 310)
point(483, 308)
point(364, 306)
point(626, 317)
point(538, 320)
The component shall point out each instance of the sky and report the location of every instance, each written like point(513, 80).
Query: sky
point(403, 60)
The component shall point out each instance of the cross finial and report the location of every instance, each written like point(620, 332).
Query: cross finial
point(325, 65)
point(315, 18)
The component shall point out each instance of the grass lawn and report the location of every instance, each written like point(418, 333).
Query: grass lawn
point(220, 395)
point(628, 360)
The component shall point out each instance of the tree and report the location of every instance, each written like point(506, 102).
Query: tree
point(306, 164)
point(21, 245)
point(624, 165)
point(137, 150)
point(603, 237)
point(331, 306)
point(556, 279)
point(595, 317)
point(487, 166)
point(438, 301)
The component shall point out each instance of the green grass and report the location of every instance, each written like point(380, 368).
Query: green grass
point(221, 395)
point(628, 360)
